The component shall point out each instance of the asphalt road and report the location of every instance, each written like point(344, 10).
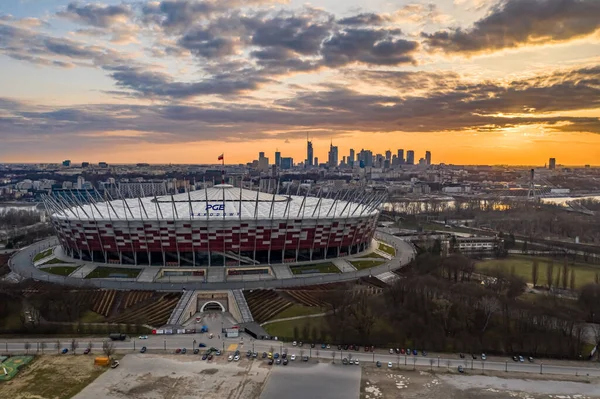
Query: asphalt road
point(168, 344)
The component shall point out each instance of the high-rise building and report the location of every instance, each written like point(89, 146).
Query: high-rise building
point(428, 157)
point(309, 154)
point(80, 182)
point(366, 157)
point(552, 164)
point(333, 156)
point(66, 162)
point(263, 162)
point(351, 158)
point(316, 161)
point(400, 157)
point(287, 163)
point(277, 158)
point(388, 155)
point(410, 157)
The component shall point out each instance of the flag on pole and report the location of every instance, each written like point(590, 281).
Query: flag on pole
point(221, 157)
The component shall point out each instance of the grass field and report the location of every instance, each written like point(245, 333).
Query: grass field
point(318, 268)
point(366, 264)
point(52, 377)
point(60, 270)
point(12, 366)
point(298, 310)
point(91, 317)
point(106, 272)
point(584, 274)
point(372, 255)
point(43, 254)
point(387, 249)
point(286, 328)
point(54, 261)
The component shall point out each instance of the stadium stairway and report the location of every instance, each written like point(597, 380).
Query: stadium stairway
point(243, 306)
point(177, 313)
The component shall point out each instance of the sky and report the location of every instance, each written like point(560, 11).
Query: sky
point(182, 81)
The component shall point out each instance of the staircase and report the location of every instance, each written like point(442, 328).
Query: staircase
point(243, 306)
point(180, 308)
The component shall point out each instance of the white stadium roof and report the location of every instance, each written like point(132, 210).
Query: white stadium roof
point(221, 202)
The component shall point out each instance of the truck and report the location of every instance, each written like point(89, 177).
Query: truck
point(204, 329)
point(117, 336)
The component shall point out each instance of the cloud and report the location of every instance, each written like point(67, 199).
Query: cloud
point(101, 16)
point(364, 19)
point(369, 46)
point(515, 23)
point(203, 43)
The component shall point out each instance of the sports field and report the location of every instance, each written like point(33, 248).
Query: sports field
point(10, 366)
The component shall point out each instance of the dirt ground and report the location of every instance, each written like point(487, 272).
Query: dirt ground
point(179, 377)
point(408, 384)
point(51, 377)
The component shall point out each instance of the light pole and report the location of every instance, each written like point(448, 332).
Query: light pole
point(165, 344)
point(133, 343)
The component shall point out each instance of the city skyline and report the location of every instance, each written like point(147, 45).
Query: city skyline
point(473, 81)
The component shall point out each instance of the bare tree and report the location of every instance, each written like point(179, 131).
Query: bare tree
point(27, 346)
point(565, 274)
point(572, 280)
point(535, 272)
point(74, 345)
point(43, 346)
point(597, 278)
point(550, 274)
point(489, 305)
point(108, 347)
point(431, 362)
point(333, 357)
point(57, 346)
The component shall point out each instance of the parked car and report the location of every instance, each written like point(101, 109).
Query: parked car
point(305, 358)
point(276, 355)
point(196, 351)
point(344, 361)
point(178, 350)
point(391, 351)
point(114, 364)
point(88, 350)
point(339, 347)
point(461, 369)
point(143, 350)
point(530, 359)
point(402, 351)
point(483, 356)
point(367, 348)
point(64, 351)
point(521, 359)
point(184, 351)
point(345, 347)
point(264, 355)
point(390, 365)
point(312, 345)
point(218, 353)
point(283, 355)
point(415, 352)
point(328, 346)
point(357, 347)
point(294, 343)
point(204, 357)
point(270, 362)
point(474, 356)
point(210, 357)
point(201, 345)
point(378, 364)
point(408, 351)
point(236, 358)
point(356, 362)
point(300, 343)
point(515, 359)
point(293, 357)
point(285, 362)
point(323, 346)
point(254, 355)
point(230, 358)
point(278, 361)
point(143, 337)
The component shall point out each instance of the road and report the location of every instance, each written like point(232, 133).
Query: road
point(21, 263)
point(167, 344)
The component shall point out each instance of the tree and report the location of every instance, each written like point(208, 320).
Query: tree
point(550, 274)
point(565, 274)
point(572, 280)
point(27, 346)
point(43, 346)
point(74, 345)
point(108, 347)
point(535, 272)
point(90, 345)
point(57, 346)
point(524, 249)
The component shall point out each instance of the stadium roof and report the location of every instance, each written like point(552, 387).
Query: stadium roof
point(221, 202)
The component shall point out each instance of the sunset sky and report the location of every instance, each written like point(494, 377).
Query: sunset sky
point(182, 81)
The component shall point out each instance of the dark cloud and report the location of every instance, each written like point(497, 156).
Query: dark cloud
point(364, 19)
point(369, 46)
point(101, 16)
point(203, 43)
point(515, 23)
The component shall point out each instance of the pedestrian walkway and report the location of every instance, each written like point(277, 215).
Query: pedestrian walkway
point(148, 274)
point(343, 265)
point(242, 306)
point(282, 271)
point(387, 277)
point(181, 305)
point(215, 275)
point(83, 270)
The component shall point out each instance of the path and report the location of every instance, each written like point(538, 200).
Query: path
point(308, 316)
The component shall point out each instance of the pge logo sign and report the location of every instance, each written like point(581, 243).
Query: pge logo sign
point(217, 207)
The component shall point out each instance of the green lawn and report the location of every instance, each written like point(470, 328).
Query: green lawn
point(299, 310)
point(91, 317)
point(285, 329)
point(318, 268)
point(387, 249)
point(60, 270)
point(54, 261)
point(366, 264)
point(106, 272)
point(372, 255)
point(43, 254)
point(584, 274)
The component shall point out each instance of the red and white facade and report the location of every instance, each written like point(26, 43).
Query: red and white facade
point(216, 226)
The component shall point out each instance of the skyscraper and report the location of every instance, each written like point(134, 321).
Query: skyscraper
point(309, 154)
point(351, 158)
point(277, 158)
point(263, 162)
point(388, 155)
point(552, 164)
point(428, 157)
point(400, 157)
point(410, 157)
point(333, 156)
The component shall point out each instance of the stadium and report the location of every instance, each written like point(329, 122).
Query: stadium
point(217, 226)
